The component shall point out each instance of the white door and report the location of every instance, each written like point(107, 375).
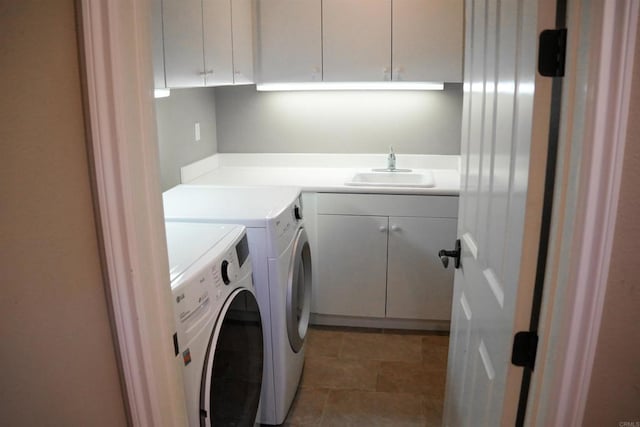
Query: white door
point(498, 117)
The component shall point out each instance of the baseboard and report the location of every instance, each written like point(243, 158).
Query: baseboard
point(379, 323)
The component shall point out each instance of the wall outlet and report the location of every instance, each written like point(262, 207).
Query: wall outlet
point(197, 131)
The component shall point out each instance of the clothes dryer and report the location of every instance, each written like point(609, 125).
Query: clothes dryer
point(218, 343)
point(281, 261)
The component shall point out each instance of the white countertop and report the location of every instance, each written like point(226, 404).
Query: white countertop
point(312, 174)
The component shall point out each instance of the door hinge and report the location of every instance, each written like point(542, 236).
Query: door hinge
point(552, 52)
point(525, 345)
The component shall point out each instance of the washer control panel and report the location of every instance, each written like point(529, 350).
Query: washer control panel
point(210, 281)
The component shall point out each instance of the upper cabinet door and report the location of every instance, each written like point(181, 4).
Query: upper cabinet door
point(218, 56)
point(184, 63)
point(356, 40)
point(242, 39)
point(158, 46)
point(290, 41)
point(427, 40)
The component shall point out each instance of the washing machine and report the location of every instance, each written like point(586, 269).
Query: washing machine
point(281, 261)
point(219, 340)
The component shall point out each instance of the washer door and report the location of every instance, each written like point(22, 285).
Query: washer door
point(299, 291)
point(232, 374)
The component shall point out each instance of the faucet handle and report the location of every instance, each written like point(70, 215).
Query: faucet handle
point(391, 159)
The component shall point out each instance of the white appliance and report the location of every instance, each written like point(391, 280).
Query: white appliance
point(281, 261)
point(218, 342)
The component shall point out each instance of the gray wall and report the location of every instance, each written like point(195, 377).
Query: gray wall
point(338, 122)
point(58, 360)
point(176, 117)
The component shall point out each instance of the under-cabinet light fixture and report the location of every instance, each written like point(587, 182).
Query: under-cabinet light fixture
point(161, 93)
point(349, 86)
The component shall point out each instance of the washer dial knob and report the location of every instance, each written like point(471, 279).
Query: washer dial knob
point(228, 272)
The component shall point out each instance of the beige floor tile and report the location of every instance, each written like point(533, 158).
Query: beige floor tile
point(388, 347)
point(433, 412)
point(321, 342)
point(373, 409)
point(412, 377)
point(435, 349)
point(307, 407)
point(329, 372)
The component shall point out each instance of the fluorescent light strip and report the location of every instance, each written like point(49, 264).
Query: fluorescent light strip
point(350, 86)
point(161, 93)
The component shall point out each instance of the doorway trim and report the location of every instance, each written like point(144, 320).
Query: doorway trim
point(121, 119)
point(603, 36)
point(115, 62)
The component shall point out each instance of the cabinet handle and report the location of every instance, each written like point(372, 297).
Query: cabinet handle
point(395, 227)
point(315, 74)
point(397, 73)
point(386, 74)
point(382, 228)
point(204, 73)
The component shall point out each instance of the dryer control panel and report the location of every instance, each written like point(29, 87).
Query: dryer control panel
point(286, 225)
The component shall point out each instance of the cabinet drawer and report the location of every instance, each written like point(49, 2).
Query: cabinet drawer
point(388, 205)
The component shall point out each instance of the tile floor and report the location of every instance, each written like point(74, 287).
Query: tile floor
point(371, 378)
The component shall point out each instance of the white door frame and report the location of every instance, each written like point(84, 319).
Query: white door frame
point(120, 114)
point(121, 121)
point(597, 91)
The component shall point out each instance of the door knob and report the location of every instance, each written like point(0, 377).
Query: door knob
point(455, 254)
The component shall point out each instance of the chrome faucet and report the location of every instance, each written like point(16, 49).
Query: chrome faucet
point(391, 163)
point(391, 159)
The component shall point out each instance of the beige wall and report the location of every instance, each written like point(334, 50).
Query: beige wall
point(57, 359)
point(614, 392)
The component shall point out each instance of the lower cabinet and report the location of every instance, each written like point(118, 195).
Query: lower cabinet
point(418, 287)
point(375, 265)
point(352, 265)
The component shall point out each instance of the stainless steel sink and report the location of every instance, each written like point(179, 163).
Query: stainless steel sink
point(393, 179)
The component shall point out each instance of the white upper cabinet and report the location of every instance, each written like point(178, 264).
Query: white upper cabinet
point(207, 42)
point(290, 40)
point(242, 20)
point(218, 56)
point(356, 40)
point(360, 40)
point(158, 45)
point(184, 61)
point(427, 40)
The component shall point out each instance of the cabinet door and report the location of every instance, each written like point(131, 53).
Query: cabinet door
point(290, 41)
point(352, 265)
point(356, 40)
point(218, 56)
point(158, 46)
point(427, 40)
point(182, 21)
point(418, 287)
point(242, 38)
